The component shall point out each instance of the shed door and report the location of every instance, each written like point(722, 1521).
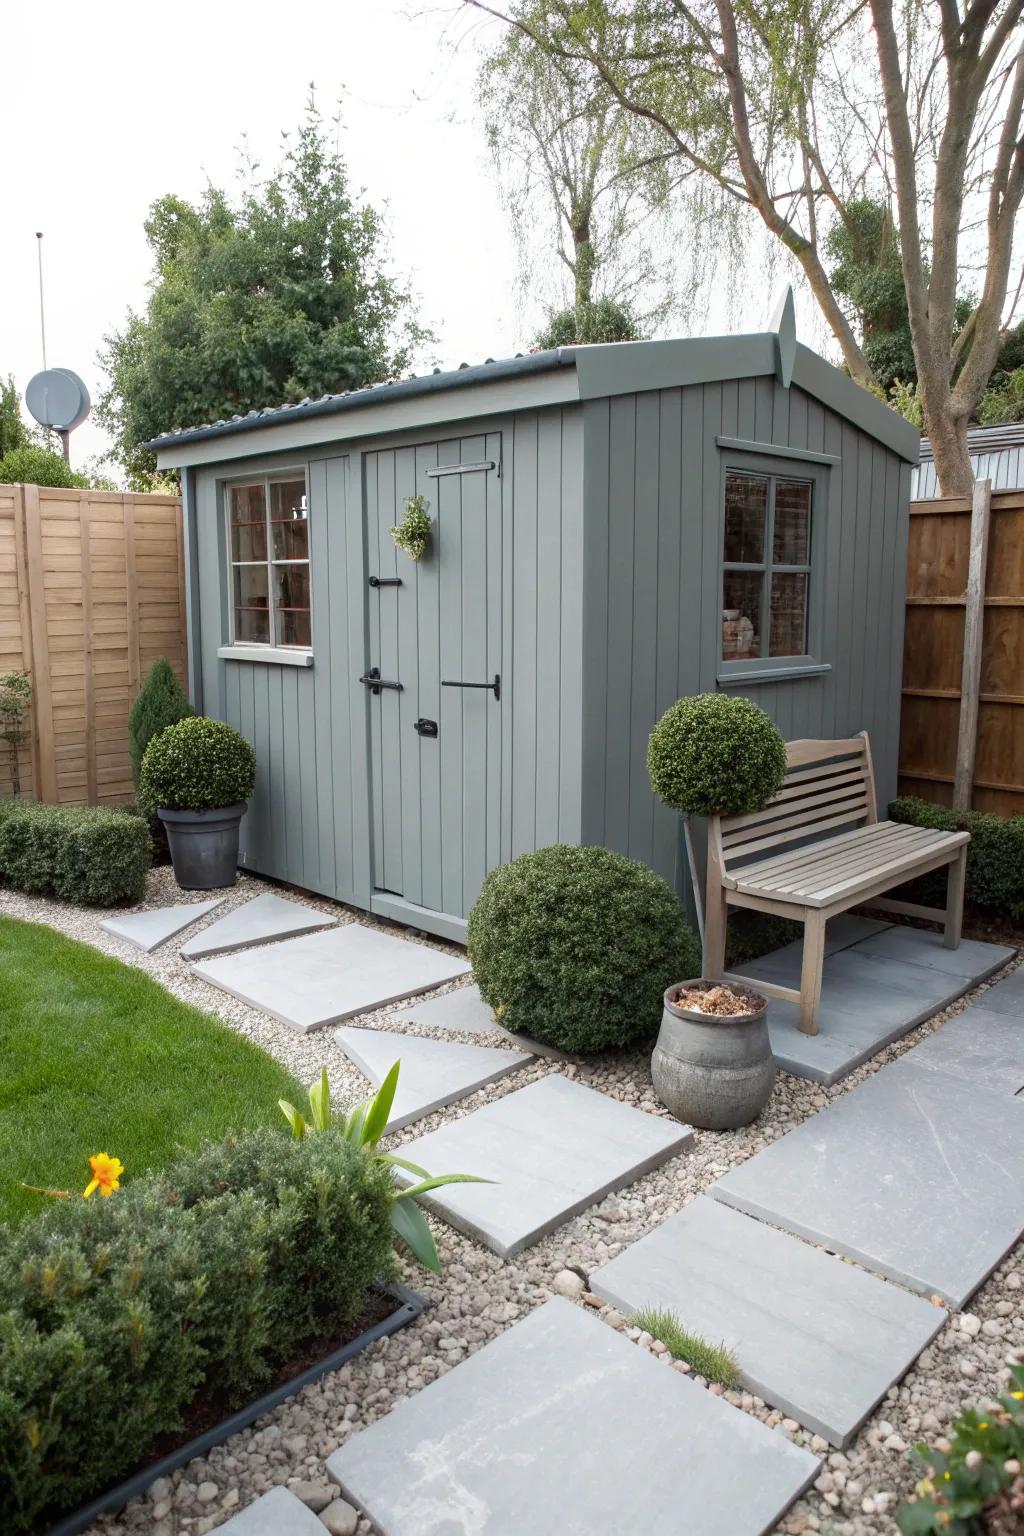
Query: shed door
point(436, 749)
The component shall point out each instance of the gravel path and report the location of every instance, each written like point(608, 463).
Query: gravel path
point(479, 1295)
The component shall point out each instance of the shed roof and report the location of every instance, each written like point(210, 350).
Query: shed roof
point(527, 381)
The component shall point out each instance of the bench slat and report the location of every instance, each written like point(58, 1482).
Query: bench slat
point(781, 834)
point(869, 858)
point(823, 849)
point(807, 794)
point(891, 864)
point(898, 871)
point(878, 841)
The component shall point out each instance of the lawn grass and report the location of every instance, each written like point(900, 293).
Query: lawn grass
point(97, 1057)
point(712, 1361)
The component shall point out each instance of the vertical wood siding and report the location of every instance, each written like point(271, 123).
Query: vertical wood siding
point(652, 589)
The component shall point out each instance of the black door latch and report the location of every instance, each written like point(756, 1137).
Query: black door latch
point(426, 727)
point(375, 682)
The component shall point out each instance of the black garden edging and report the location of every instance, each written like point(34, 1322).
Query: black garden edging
point(411, 1305)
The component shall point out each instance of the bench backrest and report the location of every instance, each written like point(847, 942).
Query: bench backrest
point(829, 788)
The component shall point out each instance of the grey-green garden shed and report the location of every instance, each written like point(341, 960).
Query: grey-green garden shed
point(613, 527)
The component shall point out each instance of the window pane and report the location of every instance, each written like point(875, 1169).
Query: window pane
point(248, 523)
point(291, 599)
point(252, 609)
point(746, 506)
point(792, 536)
point(289, 520)
point(788, 636)
point(741, 615)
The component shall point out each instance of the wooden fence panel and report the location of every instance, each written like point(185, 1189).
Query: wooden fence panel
point(937, 560)
point(97, 583)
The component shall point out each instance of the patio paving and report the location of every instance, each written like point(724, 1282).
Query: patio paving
point(323, 978)
point(875, 990)
point(1007, 996)
point(148, 930)
point(552, 1148)
point(264, 918)
point(917, 1173)
point(980, 1045)
point(277, 1513)
point(812, 1335)
point(466, 1012)
point(561, 1425)
point(434, 1072)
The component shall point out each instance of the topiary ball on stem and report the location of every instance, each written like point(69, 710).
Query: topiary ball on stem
point(576, 946)
point(716, 755)
point(197, 765)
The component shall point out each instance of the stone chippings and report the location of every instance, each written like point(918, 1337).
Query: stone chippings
point(479, 1295)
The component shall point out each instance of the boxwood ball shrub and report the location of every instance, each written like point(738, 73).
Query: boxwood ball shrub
point(716, 754)
point(198, 764)
point(83, 854)
point(207, 1277)
point(576, 946)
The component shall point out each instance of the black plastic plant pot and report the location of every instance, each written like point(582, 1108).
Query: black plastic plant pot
point(410, 1305)
point(204, 846)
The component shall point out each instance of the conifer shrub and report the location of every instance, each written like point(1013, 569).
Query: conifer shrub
point(160, 702)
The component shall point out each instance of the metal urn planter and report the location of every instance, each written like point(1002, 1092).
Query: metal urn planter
point(204, 845)
point(714, 1071)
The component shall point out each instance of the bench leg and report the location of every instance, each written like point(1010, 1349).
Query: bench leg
point(810, 972)
point(955, 900)
point(715, 919)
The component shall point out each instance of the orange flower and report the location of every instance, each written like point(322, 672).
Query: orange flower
point(106, 1175)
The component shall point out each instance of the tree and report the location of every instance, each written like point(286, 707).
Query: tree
point(799, 109)
point(13, 431)
point(270, 298)
point(34, 465)
point(576, 179)
point(15, 700)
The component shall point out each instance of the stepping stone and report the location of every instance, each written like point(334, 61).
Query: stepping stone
point(434, 1072)
point(1007, 996)
point(980, 1045)
point(562, 1425)
point(466, 1012)
point(915, 1173)
point(552, 1148)
point(147, 930)
point(812, 1335)
point(326, 977)
point(256, 922)
point(277, 1513)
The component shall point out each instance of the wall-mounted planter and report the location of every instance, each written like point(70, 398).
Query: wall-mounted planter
point(204, 846)
point(409, 1306)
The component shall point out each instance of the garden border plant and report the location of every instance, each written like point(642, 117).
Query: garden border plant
point(995, 855)
point(84, 854)
point(198, 775)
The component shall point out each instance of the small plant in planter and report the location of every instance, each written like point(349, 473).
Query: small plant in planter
point(713, 1065)
point(412, 534)
point(199, 774)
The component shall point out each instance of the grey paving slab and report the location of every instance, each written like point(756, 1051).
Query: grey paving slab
point(915, 1173)
point(277, 1513)
point(813, 1336)
point(1007, 996)
point(562, 1427)
point(980, 1045)
point(323, 978)
point(258, 921)
point(433, 1072)
point(147, 930)
point(552, 1148)
point(841, 932)
point(972, 958)
point(465, 1011)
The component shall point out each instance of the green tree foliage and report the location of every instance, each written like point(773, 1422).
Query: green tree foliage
point(265, 298)
point(1004, 400)
point(160, 702)
point(33, 465)
point(603, 320)
point(13, 431)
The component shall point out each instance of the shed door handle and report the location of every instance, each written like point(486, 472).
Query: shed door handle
point(375, 682)
point(495, 686)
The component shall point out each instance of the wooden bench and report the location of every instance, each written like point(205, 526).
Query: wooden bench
point(817, 849)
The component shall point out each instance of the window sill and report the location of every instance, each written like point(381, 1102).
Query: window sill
point(742, 676)
point(278, 655)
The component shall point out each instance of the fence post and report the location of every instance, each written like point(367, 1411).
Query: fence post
point(974, 626)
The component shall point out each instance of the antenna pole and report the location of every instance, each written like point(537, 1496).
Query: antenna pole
point(42, 314)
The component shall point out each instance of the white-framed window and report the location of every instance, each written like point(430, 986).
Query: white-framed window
point(766, 566)
point(268, 560)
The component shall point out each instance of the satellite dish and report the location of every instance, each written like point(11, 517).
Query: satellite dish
point(58, 398)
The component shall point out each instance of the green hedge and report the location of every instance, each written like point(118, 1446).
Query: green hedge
point(114, 1312)
point(576, 946)
point(995, 855)
point(84, 854)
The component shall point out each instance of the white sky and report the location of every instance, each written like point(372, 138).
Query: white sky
point(110, 106)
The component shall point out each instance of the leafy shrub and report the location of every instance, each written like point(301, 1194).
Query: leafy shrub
point(32, 465)
point(602, 320)
point(716, 754)
point(84, 854)
point(713, 1361)
point(160, 702)
point(976, 1484)
point(198, 764)
point(995, 855)
point(576, 946)
point(412, 534)
point(114, 1313)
